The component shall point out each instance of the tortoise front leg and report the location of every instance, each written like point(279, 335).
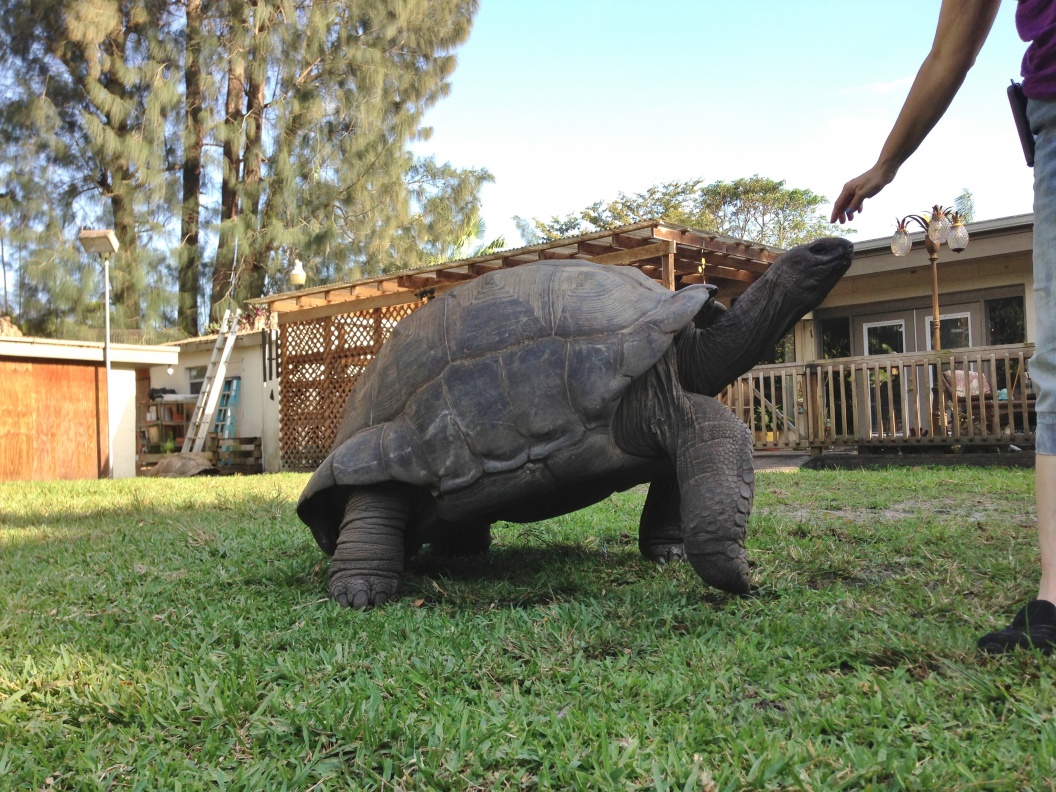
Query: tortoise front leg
point(717, 480)
point(660, 528)
point(368, 560)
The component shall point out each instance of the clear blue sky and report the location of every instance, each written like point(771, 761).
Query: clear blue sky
point(568, 102)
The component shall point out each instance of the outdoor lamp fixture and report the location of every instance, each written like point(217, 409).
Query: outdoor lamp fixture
point(105, 244)
point(942, 225)
point(297, 274)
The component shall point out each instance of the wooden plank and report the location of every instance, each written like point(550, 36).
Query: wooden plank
point(593, 249)
point(628, 240)
point(454, 275)
point(725, 273)
point(333, 309)
point(483, 269)
point(634, 255)
point(365, 291)
point(669, 270)
point(715, 244)
point(556, 255)
point(417, 282)
point(337, 295)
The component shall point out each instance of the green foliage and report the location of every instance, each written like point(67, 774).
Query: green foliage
point(965, 205)
point(756, 208)
point(251, 133)
point(175, 634)
point(470, 243)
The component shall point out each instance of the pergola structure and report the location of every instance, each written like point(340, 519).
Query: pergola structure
point(670, 254)
point(328, 334)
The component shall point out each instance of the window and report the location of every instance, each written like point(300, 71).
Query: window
point(195, 377)
point(885, 338)
point(955, 330)
point(836, 338)
point(1005, 320)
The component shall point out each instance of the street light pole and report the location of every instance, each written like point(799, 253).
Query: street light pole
point(932, 247)
point(105, 244)
point(942, 225)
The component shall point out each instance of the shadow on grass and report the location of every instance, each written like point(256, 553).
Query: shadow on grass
point(511, 576)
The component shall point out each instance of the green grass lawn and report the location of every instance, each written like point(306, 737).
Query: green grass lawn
point(159, 634)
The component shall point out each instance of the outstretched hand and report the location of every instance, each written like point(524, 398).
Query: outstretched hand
point(856, 191)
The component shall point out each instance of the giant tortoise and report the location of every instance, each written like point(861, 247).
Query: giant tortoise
point(534, 391)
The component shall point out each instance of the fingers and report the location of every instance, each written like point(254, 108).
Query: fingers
point(856, 191)
point(849, 203)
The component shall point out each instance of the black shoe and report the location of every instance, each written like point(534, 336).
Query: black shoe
point(1033, 628)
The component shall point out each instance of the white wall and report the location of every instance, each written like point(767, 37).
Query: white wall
point(122, 400)
point(257, 414)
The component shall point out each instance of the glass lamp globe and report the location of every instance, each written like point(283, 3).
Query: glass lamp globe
point(900, 242)
point(297, 274)
point(938, 227)
point(958, 239)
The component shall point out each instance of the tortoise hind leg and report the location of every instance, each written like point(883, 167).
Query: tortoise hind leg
point(368, 560)
point(660, 528)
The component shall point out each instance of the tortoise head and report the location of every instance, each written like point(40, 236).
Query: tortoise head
point(712, 357)
point(808, 272)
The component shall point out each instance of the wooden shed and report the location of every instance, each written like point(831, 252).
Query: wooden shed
point(55, 423)
point(328, 334)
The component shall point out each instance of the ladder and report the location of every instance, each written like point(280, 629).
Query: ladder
point(209, 397)
point(226, 418)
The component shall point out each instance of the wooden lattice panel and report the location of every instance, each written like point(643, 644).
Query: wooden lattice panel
point(321, 361)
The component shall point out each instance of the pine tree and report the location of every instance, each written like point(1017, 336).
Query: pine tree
point(85, 101)
point(265, 131)
point(318, 117)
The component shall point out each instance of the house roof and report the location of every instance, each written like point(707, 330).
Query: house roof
point(671, 254)
point(87, 351)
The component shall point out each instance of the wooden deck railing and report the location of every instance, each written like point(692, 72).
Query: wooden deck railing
point(980, 396)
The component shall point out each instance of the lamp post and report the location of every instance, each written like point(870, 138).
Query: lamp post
point(104, 243)
point(942, 225)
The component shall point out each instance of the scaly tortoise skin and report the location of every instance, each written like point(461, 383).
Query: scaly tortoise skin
point(534, 391)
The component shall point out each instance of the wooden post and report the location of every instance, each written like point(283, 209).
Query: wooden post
point(669, 266)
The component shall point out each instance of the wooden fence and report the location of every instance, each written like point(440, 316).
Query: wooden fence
point(321, 361)
point(978, 397)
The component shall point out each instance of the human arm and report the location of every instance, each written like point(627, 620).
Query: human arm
point(962, 28)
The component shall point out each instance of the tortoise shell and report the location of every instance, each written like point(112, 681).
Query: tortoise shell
point(519, 370)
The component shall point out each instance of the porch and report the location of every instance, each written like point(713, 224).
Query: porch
point(920, 402)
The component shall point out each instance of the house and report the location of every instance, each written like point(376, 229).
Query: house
point(861, 371)
point(59, 412)
point(252, 380)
